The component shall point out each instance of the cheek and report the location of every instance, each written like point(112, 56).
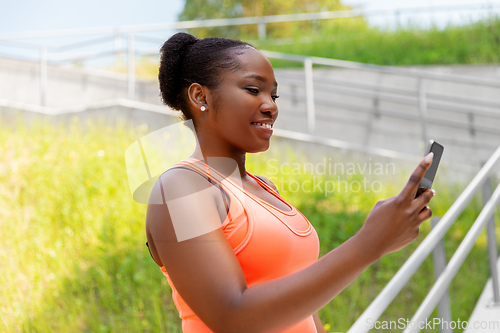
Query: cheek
point(237, 109)
point(236, 124)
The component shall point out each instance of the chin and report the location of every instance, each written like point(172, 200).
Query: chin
point(259, 149)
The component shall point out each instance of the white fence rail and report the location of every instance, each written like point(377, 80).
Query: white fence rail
point(261, 21)
point(392, 289)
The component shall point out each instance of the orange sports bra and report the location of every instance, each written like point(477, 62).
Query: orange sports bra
point(268, 242)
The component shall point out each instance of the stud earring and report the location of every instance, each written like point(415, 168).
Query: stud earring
point(203, 108)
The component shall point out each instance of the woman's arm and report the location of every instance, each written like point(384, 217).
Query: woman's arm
point(208, 276)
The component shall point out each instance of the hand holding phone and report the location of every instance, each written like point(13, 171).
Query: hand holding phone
point(429, 175)
point(394, 222)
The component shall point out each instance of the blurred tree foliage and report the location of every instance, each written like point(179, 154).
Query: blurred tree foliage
point(214, 9)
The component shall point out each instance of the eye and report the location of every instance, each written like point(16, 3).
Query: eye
point(253, 90)
point(275, 97)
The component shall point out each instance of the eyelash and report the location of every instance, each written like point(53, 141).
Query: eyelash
point(256, 91)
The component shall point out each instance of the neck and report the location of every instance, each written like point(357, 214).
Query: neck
point(224, 161)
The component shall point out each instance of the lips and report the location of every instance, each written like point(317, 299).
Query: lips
point(263, 128)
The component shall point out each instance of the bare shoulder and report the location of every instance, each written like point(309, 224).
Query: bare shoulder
point(173, 191)
point(178, 182)
point(268, 182)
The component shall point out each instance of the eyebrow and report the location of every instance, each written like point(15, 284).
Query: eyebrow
point(260, 78)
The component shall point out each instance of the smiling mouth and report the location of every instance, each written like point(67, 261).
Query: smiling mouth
point(263, 125)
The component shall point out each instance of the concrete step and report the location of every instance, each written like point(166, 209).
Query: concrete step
point(485, 317)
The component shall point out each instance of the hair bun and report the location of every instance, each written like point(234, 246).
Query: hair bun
point(185, 59)
point(172, 53)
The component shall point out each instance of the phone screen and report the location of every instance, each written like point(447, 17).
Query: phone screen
point(426, 182)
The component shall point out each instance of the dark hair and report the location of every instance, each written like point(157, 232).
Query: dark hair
point(186, 59)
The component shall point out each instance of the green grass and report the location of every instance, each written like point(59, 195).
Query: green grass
point(73, 255)
point(474, 43)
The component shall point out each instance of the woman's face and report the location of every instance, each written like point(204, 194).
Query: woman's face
point(246, 101)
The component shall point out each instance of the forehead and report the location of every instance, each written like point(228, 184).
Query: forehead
point(253, 64)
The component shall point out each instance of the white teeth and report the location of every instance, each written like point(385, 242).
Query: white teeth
point(264, 125)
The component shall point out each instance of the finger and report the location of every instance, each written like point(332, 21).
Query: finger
point(411, 186)
point(424, 214)
point(423, 199)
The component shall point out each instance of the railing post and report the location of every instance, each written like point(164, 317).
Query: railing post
point(492, 245)
point(131, 68)
point(376, 107)
point(472, 130)
point(308, 68)
point(43, 76)
point(422, 111)
point(262, 30)
point(293, 89)
point(439, 256)
point(117, 44)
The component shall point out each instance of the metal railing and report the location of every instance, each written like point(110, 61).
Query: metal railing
point(116, 34)
point(387, 295)
point(420, 98)
point(317, 108)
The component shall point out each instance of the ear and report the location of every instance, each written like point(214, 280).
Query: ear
point(197, 95)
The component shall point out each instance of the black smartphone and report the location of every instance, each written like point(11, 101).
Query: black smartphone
point(426, 182)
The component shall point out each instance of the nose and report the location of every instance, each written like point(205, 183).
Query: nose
point(269, 106)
